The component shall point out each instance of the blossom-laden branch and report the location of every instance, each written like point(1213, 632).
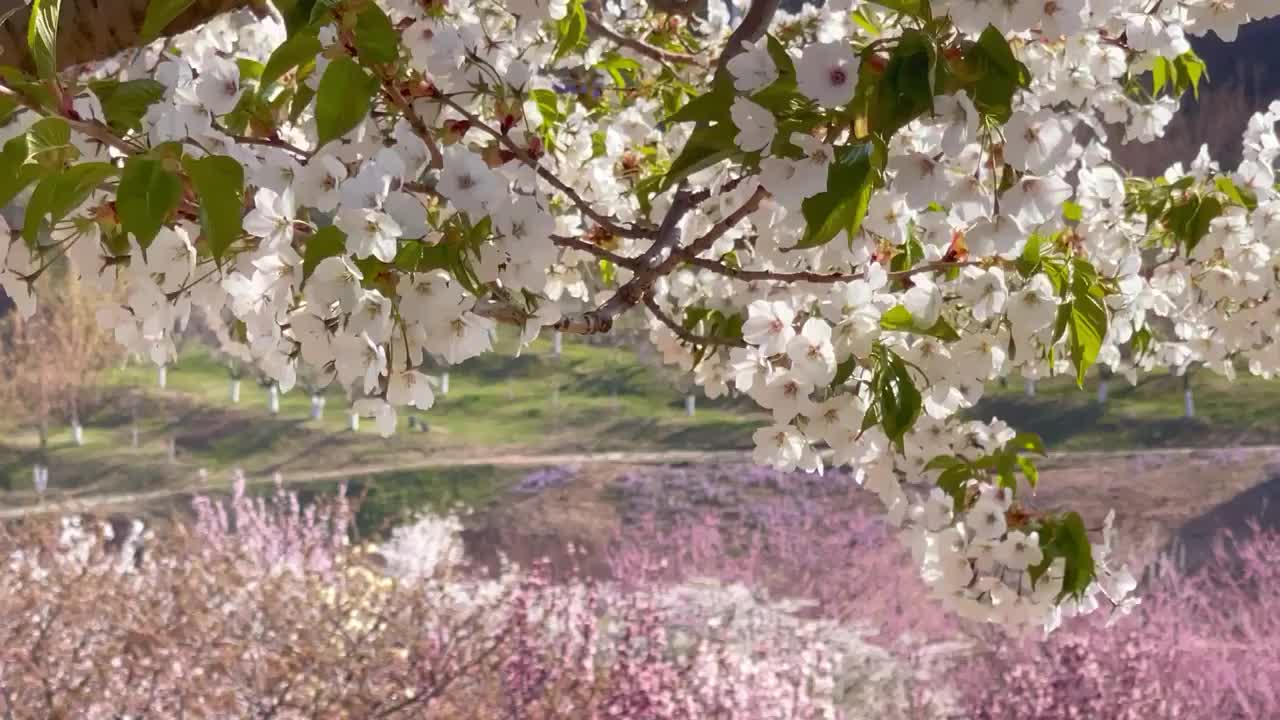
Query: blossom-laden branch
point(608, 223)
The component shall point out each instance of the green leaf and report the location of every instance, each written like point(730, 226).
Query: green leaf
point(912, 253)
point(376, 40)
point(1072, 212)
point(999, 72)
point(49, 143)
point(344, 98)
point(1073, 541)
point(897, 318)
point(328, 242)
point(617, 66)
point(147, 195)
point(297, 50)
point(915, 8)
point(706, 146)
point(1243, 197)
point(1005, 463)
point(1087, 326)
point(1029, 261)
point(301, 99)
point(904, 90)
point(844, 371)
point(865, 23)
point(711, 106)
point(850, 181)
point(61, 193)
point(159, 14)
point(781, 60)
point(42, 36)
point(941, 330)
point(1159, 75)
point(943, 462)
point(1190, 69)
point(219, 181)
point(15, 173)
point(8, 104)
point(1029, 470)
point(1027, 441)
point(548, 106)
point(898, 399)
point(75, 184)
point(124, 103)
point(571, 30)
point(952, 481)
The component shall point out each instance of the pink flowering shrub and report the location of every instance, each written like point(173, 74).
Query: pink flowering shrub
point(209, 622)
point(845, 562)
point(264, 608)
point(1201, 646)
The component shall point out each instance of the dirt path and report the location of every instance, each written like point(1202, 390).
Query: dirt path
point(1254, 456)
point(93, 502)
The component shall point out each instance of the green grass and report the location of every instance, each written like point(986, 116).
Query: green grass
point(1148, 415)
point(590, 398)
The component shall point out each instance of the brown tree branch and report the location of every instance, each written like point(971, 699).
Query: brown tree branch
point(93, 30)
point(752, 28)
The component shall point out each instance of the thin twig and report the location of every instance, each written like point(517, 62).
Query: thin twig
point(771, 275)
point(577, 244)
point(717, 231)
point(639, 46)
point(268, 142)
point(604, 221)
point(684, 334)
point(89, 128)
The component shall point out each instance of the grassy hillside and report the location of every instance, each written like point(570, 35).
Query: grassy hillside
point(1148, 415)
point(587, 399)
point(591, 398)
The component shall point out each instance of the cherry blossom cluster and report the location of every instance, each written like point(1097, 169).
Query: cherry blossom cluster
point(858, 215)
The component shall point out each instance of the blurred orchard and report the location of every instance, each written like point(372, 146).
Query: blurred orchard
point(264, 607)
point(858, 215)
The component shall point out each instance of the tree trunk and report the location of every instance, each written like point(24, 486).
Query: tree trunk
point(273, 399)
point(1188, 403)
point(235, 391)
point(90, 30)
